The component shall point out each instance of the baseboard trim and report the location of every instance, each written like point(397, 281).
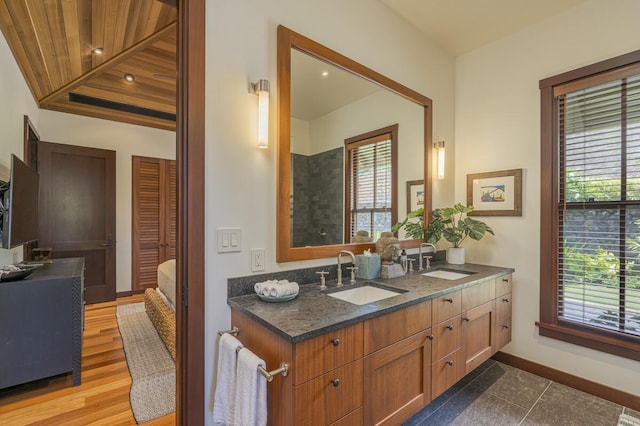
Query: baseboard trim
point(584, 385)
point(130, 293)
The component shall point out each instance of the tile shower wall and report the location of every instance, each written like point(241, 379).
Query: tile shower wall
point(317, 198)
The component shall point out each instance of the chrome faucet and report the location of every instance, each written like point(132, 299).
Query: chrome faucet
point(353, 268)
point(420, 257)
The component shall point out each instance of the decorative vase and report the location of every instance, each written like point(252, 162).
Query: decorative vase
point(388, 247)
point(455, 255)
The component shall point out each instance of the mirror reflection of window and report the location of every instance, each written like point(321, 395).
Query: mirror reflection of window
point(370, 184)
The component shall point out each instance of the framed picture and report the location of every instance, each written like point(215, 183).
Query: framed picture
point(495, 193)
point(415, 195)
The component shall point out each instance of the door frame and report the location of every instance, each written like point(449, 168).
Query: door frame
point(190, 133)
point(190, 146)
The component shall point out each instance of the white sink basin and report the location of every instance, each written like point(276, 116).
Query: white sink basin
point(447, 275)
point(364, 294)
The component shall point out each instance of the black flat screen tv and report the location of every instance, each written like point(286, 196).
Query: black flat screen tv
point(20, 205)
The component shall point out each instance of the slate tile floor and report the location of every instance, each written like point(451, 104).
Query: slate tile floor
point(497, 394)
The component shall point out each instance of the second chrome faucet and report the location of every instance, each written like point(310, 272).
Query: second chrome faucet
point(353, 268)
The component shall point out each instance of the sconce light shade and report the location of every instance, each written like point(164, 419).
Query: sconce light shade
point(439, 146)
point(261, 88)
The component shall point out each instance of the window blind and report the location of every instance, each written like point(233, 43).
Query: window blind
point(599, 206)
point(370, 191)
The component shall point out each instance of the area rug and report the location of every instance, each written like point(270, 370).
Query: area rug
point(627, 420)
point(152, 369)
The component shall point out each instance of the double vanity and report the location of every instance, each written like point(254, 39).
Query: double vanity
point(378, 351)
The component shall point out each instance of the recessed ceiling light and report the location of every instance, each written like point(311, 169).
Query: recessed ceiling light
point(325, 73)
point(97, 50)
point(130, 77)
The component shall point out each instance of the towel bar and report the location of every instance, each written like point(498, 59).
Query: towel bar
point(269, 375)
point(284, 369)
point(233, 331)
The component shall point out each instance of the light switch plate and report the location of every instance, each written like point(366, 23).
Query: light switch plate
point(229, 240)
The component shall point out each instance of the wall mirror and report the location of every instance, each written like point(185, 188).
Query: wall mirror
point(326, 102)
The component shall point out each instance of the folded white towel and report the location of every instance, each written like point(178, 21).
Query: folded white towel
point(251, 391)
point(224, 399)
point(284, 289)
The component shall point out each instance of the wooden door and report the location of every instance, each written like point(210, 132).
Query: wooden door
point(78, 211)
point(153, 218)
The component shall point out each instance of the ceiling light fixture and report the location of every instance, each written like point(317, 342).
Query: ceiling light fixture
point(261, 88)
point(97, 50)
point(325, 73)
point(129, 77)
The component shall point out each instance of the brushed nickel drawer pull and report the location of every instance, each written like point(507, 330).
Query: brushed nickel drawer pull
point(505, 326)
point(450, 363)
point(430, 337)
point(505, 300)
point(450, 327)
point(467, 319)
point(335, 342)
point(335, 382)
point(449, 299)
point(505, 280)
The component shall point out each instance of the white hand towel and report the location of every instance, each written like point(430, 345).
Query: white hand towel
point(284, 289)
point(251, 391)
point(224, 399)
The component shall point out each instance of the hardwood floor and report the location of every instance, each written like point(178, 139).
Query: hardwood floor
point(103, 396)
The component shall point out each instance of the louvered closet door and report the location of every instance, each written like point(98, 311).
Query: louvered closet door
point(154, 218)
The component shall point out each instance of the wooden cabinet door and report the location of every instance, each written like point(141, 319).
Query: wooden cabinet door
point(154, 214)
point(503, 321)
point(478, 335)
point(327, 398)
point(397, 380)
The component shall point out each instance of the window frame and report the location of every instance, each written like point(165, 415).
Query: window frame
point(550, 325)
point(356, 142)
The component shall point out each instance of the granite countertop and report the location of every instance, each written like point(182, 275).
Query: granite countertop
point(313, 312)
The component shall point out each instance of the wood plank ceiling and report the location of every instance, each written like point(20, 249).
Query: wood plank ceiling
point(53, 43)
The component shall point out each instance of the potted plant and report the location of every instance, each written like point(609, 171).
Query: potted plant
point(452, 223)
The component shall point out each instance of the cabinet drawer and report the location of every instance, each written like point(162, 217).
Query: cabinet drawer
point(446, 306)
point(355, 418)
point(446, 337)
point(478, 294)
point(446, 372)
point(331, 396)
point(503, 285)
point(324, 353)
point(387, 329)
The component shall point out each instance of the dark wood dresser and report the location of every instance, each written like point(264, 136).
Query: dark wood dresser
point(41, 323)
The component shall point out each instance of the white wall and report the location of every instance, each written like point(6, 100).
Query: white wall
point(497, 111)
point(16, 103)
point(127, 140)
point(240, 178)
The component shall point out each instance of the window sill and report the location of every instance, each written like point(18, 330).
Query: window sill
point(626, 348)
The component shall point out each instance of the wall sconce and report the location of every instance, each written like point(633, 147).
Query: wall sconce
point(261, 88)
point(439, 147)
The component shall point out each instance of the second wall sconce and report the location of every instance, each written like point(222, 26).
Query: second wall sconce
point(261, 88)
point(439, 146)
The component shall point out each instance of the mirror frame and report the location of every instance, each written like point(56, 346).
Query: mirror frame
point(287, 40)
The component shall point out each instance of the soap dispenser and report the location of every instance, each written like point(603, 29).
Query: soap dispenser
point(403, 259)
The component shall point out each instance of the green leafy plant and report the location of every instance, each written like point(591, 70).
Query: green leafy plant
point(452, 223)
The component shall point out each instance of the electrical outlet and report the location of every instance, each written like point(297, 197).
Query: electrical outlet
point(257, 259)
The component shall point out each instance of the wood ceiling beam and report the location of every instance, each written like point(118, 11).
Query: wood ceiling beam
point(110, 63)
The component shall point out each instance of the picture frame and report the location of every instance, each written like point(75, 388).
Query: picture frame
point(495, 193)
point(415, 194)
